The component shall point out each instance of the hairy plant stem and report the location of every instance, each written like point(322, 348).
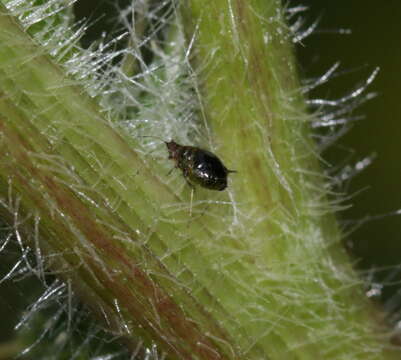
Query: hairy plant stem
point(259, 273)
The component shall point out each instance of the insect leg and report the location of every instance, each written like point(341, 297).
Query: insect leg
point(191, 202)
point(185, 173)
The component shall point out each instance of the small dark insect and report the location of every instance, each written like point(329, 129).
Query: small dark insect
point(199, 166)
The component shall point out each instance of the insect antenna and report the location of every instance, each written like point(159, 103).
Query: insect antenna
point(154, 137)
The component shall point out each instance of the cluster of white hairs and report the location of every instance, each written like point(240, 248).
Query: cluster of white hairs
point(332, 119)
point(54, 325)
point(158, 97)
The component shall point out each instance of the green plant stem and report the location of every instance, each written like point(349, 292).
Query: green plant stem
point(261, 278)
point(257, 116)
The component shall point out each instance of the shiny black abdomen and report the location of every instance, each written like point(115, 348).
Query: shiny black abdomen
point(207, 170)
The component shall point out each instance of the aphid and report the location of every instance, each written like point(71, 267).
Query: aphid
point(199, 167)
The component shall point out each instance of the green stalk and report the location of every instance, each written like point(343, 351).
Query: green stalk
point(258, 272)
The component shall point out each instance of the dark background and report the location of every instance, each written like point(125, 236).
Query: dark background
point(375, 41)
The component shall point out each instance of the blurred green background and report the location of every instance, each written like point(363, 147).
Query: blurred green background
point(375, 41)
